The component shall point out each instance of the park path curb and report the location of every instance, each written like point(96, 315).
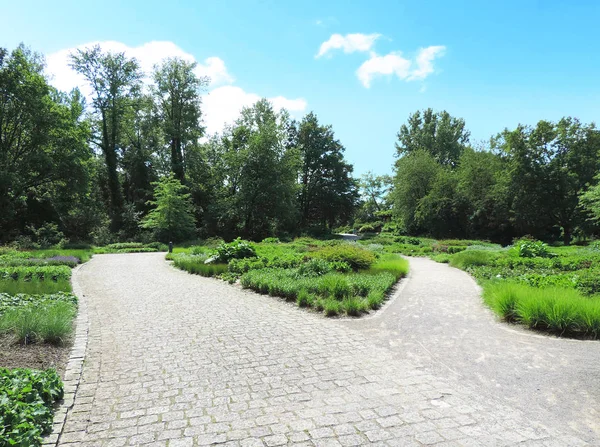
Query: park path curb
point(74, 368)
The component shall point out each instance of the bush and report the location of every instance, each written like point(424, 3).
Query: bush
point(271, 240)
point(332, 307)
point(314, 267)
point(8, 302)
point(237, 249)
point(32, 273)
point(26, 406)
point(305, 299)
point(354, 306)
point(334, 285)
point(588, 282)
point(358, 258)
point(527, 248)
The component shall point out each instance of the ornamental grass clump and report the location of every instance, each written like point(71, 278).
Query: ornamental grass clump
point(354, 255)
point(554, 309)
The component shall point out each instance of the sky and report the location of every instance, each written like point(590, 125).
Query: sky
point(361, 66)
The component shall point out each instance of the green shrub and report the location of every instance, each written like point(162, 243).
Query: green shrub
point(26, 406)
point(314, 267)
point(36, 273)
point(237, 249)
point(527, 248)
point(358, 258)
point(8, 302)
point(354, 306)
point(305, 299)
point(334, 285)
point(332, 307)
point(375, 299)
point(271, 240)
point(588, 282)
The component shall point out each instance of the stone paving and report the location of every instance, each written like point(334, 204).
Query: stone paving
point(179, 360)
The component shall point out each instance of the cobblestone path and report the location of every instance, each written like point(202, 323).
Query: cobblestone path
point(178, 360)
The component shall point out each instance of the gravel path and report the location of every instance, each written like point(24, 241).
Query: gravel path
point(179, 360)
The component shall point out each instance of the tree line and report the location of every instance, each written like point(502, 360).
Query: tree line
point(132, 161)
point(98, 169)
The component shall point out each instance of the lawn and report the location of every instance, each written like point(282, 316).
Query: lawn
point(546, 288)
point(331, 276)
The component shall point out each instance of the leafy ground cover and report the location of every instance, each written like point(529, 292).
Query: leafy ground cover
point(26, 405)
point(333, 276)
point(553, 289)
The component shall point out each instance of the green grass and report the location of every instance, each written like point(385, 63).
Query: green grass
point(34, 287)
point(50, 323)
point(195, 264)
point(393, 264)
point(554, 309)
point(472, 258)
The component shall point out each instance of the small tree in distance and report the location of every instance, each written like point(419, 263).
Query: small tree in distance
point(172, 218)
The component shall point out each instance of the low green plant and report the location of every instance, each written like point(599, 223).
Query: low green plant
point(8, 302)
point(555, 309)
point(305, 299)
point(354, 306)
point(237, 249)
point(472, 258)
point(34, 287)
point(314, 267)
point(375, 299)
point(353, 254)
point(336, 286)
point(49, 323)
point(332, 307)
point(26, 405)
point(29, 273)
point(196, 265)
point(528, 248)
point(393, 264)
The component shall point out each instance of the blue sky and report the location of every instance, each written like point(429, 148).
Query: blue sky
point(503, 63)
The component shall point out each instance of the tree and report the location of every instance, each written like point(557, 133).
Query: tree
point(172, 218)
point(438, 133)
point(415, 176)
point(115, 80)
point(177, 96)
point(374, 192)
point(590, 200)
point(43, 150)
point(552, 162)
point(328, 193)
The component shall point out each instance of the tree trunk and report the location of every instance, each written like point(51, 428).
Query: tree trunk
point(177, 159)
point(567, 235)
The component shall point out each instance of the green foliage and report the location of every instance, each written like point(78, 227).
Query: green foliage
point(8, 302)
point(355, 256)
point(37, 273)
point(196, 265)
point(472, 258)
point(554, 309)
point(237, 249)
point(172, 217)
point(393, 264)
point(314, 267)
point(35, 286)
point(26, 406)
point(50, 322)
point(527, 248)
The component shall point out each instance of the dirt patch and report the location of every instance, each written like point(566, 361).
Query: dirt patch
point(36, 355)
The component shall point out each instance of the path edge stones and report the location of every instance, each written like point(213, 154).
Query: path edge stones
point(74, 368)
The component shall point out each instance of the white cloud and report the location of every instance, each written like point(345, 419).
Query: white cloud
point(425, 61)
point(148, 55)
point(223, 105)
point(349, 43)
point(395, 64)
point(389, 64)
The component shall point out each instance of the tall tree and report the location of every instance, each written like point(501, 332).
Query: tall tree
point(552, 162)
point(43, 144)
point(374, 192)
point(177, 94)
point(416, 174)
point(438, 133)
point(328, 193)
point(114, 80)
